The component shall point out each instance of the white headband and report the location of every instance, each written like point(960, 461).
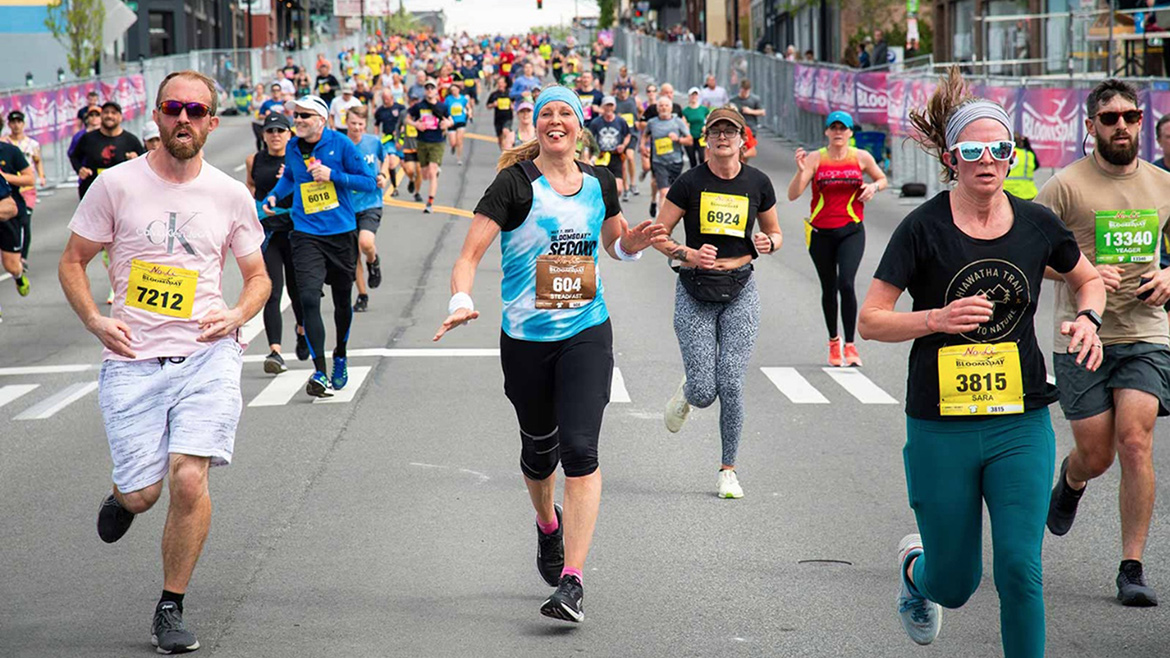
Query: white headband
point(971, 112)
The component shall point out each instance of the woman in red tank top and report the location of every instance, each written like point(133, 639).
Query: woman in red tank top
point(835, 233)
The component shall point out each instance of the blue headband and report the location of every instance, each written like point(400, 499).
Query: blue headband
point(562, 94)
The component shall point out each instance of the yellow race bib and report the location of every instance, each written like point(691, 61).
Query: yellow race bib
point(629, 118)
point(503, 103)
point(99, 170)
point(506, 67)
point(723, 214)
point(702, 142)
point(981, 379)
point(603, 159)
point(469, 83)
point(663, 145)
point(161, 289)
point(456, 110)
point(319, 196)
point(411, 131)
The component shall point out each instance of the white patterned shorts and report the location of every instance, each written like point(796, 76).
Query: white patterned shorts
point(154, 408)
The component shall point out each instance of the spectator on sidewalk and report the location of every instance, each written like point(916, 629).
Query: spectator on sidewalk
point(881, 50)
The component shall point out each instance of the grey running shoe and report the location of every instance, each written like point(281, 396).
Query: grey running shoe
point(921, 617)
point(113, 520)
point(1131, 586)
point(1062, 506)
point(168, 634)
point(565, 602)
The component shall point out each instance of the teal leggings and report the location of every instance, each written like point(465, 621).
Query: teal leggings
point(952, 467)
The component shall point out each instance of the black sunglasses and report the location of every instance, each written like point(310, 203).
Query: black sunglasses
point(275, 130)
point(1110, 118)
point(304, 115)
point(175, 108)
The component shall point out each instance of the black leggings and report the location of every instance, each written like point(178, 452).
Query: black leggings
point(836, 253)
point(278, 261)
point(695, 153)
point(559, 390)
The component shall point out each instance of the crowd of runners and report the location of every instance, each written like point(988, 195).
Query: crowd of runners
point(577, 142)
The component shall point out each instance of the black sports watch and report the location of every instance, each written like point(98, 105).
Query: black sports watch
point(1092, 315)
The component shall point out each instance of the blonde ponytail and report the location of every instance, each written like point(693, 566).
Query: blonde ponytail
point(526, 151)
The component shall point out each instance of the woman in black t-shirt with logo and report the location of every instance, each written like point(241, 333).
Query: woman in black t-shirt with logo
point(716, 306)
point(978, 429)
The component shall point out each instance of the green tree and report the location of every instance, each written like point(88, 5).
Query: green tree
point(556, 32)
point(605, 20)
point(401, 22)
point(77, 26)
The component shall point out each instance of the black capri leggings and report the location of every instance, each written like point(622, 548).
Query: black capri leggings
point(695, 154)
point(278, 262)
point(559, 390)
point(836, 253)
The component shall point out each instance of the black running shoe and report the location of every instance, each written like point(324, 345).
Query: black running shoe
point(113, 520)
point(168, 634)
point(428, 210)
point(274, 363)
point(1131, 586)
point(375, 268)
point(362, 304)
point(1062, 507)
point(565, 603)
point(653, 209)
point(410, 186)
point(302, 348)
point(418, 197)
point(550, 552)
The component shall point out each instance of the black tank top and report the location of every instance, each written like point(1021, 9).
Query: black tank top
point(265, 168)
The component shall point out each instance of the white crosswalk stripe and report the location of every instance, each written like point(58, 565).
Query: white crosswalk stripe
point(794, 386)
point(14, 391)
point(617, 389)
point(284, 389)
point(48, 407)
point(859, 386)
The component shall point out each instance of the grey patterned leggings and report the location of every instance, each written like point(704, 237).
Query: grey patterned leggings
point(716, 341)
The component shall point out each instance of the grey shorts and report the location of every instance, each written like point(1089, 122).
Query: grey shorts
point(666, 174)
point(1138, 366)
point(152, 410)
point(369, 220)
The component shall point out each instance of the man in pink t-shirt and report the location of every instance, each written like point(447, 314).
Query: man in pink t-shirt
point(169, 387)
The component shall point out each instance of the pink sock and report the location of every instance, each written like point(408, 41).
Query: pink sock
point(570, 571)
point(548, 528)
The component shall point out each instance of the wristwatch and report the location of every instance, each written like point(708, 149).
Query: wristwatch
point(1092, 315)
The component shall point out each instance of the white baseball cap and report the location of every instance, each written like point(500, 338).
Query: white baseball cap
point(313, 104)
point(150, 131)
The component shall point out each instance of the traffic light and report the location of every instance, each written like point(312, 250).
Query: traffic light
point(637, 12)
point(540, 4)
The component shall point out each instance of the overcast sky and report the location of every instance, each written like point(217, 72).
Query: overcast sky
point(502, 16)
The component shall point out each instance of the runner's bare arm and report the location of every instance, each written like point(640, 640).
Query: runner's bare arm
point(634, 240)
point(1089, 288)
point(8, 208)
point(806, 167)
point(879, 321)
point(480, 235)
point(870, 167)
point(769, 223)
point(114, 334)
point(25, 178)
point(669, 216)
point(248, 178)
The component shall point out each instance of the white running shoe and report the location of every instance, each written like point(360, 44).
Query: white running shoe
point(729, 485)
point(922, 618)
point(677, 409)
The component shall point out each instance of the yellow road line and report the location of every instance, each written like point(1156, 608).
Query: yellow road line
point(414, 205)
point(482, 138)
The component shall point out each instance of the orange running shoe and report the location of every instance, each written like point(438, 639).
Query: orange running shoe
point(851, 356)
point(835, 353)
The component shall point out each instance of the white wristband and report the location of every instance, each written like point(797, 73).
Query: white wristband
point(622, 255)
point(460, 300)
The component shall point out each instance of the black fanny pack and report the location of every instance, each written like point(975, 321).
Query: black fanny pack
point(719, 286)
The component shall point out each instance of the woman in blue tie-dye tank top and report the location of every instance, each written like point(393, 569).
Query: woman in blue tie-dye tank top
point(555, 215)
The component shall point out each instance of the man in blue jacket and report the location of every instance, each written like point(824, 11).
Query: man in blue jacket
point(321, 169)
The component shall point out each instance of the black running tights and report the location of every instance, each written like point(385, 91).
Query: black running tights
point(278, 261)
point(315, 326)
point(836, 253)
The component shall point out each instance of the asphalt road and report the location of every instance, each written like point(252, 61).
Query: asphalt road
point(394, 522)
